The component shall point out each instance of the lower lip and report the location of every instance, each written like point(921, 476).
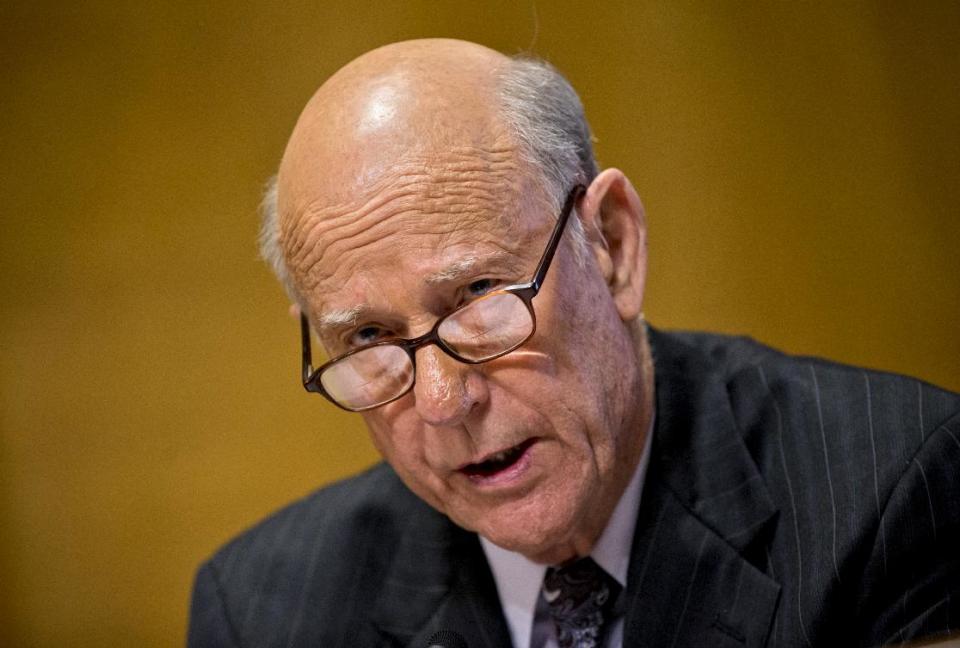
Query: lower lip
point(508, 475)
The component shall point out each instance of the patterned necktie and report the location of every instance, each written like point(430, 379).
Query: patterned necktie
point(580, 597)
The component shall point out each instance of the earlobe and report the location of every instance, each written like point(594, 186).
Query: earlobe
point(614, 222)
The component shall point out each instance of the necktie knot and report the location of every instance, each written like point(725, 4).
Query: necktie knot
point(580, 597)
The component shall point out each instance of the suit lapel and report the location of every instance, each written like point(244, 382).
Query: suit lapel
point(438, 579)
point(472, 606)
point(705, 520)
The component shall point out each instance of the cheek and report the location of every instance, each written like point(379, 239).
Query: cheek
point(398, 445)
point(550, 399)
point(593, 355)
point(579, 316)
point(403, 444)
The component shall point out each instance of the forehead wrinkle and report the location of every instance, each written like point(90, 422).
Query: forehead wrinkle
point(325, 233)
point(313, 217)
point(490, 164)
point(358, 238)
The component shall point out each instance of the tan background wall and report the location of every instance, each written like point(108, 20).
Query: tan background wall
point(799, 165)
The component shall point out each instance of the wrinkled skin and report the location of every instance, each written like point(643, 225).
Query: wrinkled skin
point(398, 171)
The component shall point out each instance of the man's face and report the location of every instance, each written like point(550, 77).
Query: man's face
point(526, 449)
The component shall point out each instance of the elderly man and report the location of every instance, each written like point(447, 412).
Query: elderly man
point(557, 473)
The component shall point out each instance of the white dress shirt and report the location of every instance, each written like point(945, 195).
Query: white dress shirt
point(519, 580)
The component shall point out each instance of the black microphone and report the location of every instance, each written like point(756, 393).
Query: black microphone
point(447, 639)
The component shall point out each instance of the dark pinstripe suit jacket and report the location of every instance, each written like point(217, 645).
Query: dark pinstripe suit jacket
point(789, 502)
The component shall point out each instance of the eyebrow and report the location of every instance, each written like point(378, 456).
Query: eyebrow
point(470, 265)
point(339, 317)
point(455, 271)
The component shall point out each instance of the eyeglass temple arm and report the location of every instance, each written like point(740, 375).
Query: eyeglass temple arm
point(307, 366)
point(552, 246)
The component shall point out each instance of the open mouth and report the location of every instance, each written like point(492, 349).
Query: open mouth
point(497, 463)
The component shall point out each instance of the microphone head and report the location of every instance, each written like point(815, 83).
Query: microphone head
point(447, 639)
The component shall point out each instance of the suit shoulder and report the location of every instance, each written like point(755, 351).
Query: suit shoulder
point(740, 358)
point(847, 393)
point(807, 404)
point(339, 538)
point(336, 524)
point(374, 497)
point(725, 353)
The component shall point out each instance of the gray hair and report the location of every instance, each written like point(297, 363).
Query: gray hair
point(545, 114)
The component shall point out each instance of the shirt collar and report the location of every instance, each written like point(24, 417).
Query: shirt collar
point(519, 579)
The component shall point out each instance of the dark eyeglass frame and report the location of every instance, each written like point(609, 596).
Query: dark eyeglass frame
point(525, 292)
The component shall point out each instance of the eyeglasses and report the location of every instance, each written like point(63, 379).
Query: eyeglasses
point(486, 328)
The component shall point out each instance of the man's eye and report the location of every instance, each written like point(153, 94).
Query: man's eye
point(366, 335)
point(480, 287)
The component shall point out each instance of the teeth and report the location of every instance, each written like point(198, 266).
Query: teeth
point(500, 456)
point(496, 462)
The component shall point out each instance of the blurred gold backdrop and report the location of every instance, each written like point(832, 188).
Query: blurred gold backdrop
point(799, 165)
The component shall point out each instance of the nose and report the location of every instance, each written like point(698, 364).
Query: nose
point(445, 389)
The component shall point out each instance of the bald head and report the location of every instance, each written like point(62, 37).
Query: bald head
point(399, 101)
point(423, 108)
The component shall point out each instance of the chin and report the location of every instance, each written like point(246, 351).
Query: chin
point(546, 551)
point(541, 535)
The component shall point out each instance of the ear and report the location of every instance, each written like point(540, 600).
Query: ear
point(615, 224)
